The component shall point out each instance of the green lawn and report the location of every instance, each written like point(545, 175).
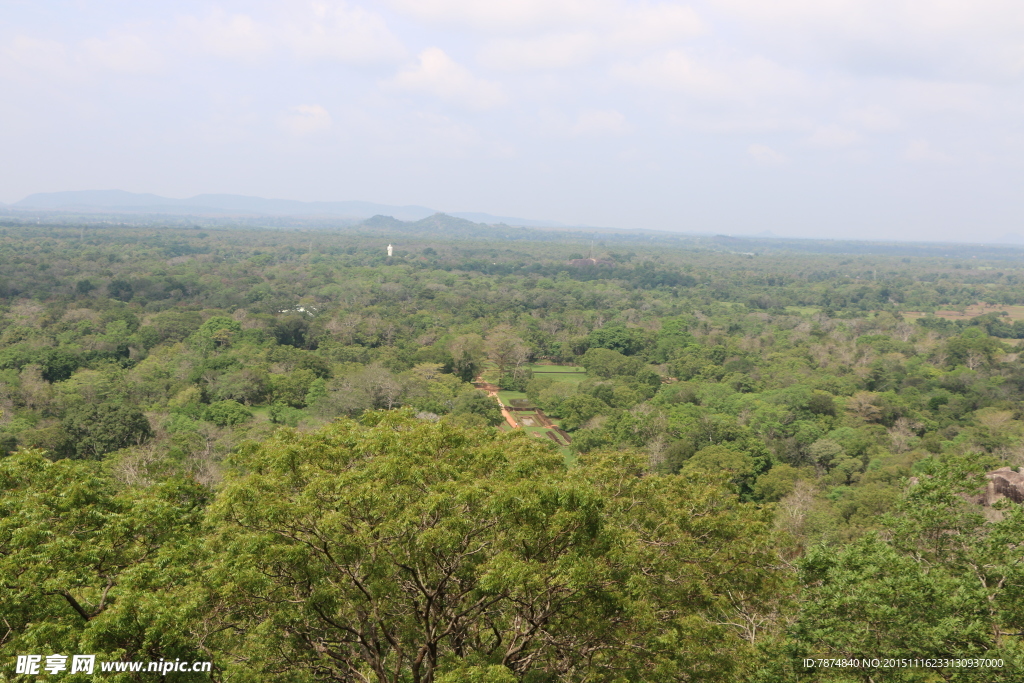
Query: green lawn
point(563, 373)
point(559, 373)
point(553, 420)
point(260, 413)
point(557, 368)
point(507, 396)
point(569, 377)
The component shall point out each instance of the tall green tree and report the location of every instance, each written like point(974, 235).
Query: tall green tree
point(945, 583)
point(88, 567)
point(402, 550)
point(94, 430)
point(468, 354)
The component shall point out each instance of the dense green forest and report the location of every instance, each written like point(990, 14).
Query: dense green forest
point(282, 451)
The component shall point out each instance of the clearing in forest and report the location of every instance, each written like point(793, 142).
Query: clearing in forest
point(520, 413)
point(973, 311)
point(560, 369)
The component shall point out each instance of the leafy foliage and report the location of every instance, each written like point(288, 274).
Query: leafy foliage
point(88, 568)
point(792, 381)
point(475, 550)
point(95, 430)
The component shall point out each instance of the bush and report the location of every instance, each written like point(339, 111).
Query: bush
point(95, 430)
point(480, 404)
point(226, 413)
point(608, 363)
point(8, 443)
point(284, 414)
point(514, 383)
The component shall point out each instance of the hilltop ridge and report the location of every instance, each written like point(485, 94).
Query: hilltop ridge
point(221, 204)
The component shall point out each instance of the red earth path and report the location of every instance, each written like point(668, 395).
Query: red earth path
point(492, 390)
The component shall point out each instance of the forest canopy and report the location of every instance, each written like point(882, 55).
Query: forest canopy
point(287, 453)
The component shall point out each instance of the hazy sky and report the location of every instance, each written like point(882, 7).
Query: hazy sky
point(839, 118)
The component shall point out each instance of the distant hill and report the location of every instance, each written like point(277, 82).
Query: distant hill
point(380, 221)
point(131, 202)
point(119, 201)
point(508, 220)
point(444, 225)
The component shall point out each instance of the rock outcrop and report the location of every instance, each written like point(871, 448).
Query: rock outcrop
point(1004, 483)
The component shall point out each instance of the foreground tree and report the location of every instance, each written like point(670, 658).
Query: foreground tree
point(400, 550)
point(945, 583)
point(87, 567)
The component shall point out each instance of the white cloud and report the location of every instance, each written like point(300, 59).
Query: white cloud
point(553, 51)
point(994, 16)
point(673, 70)
point(932, 97)
point(833, 136)
point(505, 15)
point(349, 34)
point(874, 118)
point(743, 79)
point(766, 156)
point(652, 25)
point(34, 54)
point(618, 22)
point(431, 136)
point(83, 61)
point(922, 150)
point(598, 122)
point(306, 119)
point(437, 74)
point(978, 37)
point(318, 30)
point(230, 35)
point(123, 52)
point(610, 28)
point(440, 136)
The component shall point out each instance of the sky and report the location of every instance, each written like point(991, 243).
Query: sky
point(871, 119)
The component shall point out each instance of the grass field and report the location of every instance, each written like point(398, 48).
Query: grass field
point(531, 414)
point(573, 377)
point(973, 311)
point(507, 396)
point(536, 430)
point(559, 373)
point(556, 368)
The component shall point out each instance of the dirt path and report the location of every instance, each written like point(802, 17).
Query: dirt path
point(492, 390)
point(508, 417)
